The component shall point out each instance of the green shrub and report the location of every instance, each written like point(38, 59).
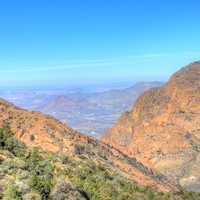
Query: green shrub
point(10, 143)
point(11, 193)
point(42, 173)
point(41, 184)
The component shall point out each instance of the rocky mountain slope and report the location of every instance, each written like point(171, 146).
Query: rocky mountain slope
point(36, 174)
point(38, 130)
point(163, 128)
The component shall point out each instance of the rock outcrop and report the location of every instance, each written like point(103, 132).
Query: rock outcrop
point(163, 128)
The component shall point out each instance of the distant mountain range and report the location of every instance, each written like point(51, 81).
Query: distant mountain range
point(89, 113)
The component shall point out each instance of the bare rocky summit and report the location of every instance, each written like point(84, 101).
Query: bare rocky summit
point(163, 128)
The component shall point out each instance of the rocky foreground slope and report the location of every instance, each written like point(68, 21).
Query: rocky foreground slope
point(36, 174)
point(163, 128)
point(39, 130)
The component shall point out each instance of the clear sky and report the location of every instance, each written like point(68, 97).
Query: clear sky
point(63, 42)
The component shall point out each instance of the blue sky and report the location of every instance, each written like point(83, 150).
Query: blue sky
point(66, 42)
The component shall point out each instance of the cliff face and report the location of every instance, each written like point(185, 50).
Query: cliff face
point(38, 130)
point(163, 128)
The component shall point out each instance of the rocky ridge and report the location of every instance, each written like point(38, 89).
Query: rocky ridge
point(162, 130)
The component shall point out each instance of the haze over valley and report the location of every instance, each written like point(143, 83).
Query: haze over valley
point(89, 111)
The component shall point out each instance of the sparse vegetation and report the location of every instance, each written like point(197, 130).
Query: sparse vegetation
point(34, 174)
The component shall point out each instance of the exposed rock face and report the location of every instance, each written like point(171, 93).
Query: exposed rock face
point(163, 128)
point(37, 129)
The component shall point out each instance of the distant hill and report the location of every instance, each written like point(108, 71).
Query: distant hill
point(89, 113)
point(95, 113)
point(163, 128)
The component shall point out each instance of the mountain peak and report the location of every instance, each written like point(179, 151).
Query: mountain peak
point(188, 76)
point(162, 129)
